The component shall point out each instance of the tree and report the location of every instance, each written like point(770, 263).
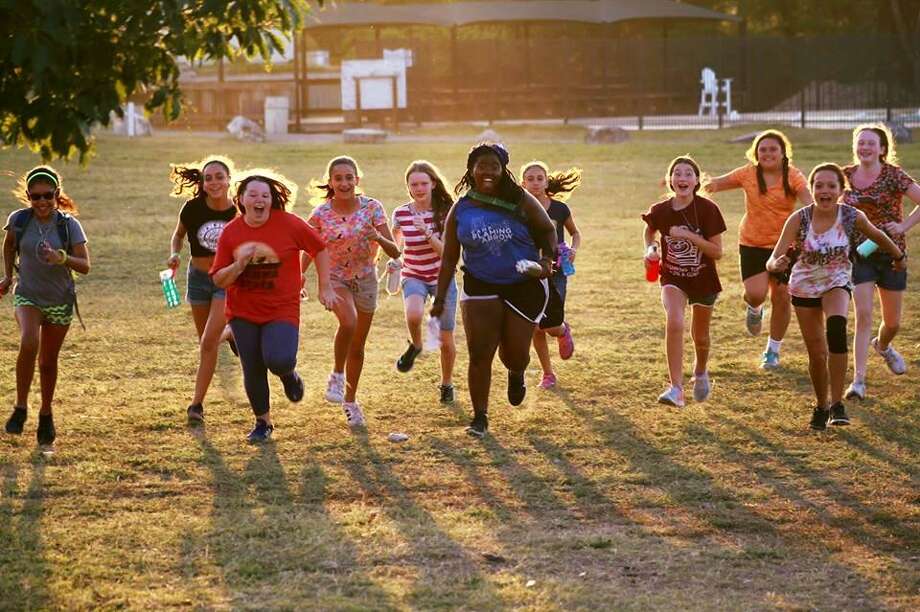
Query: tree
point(65, 65)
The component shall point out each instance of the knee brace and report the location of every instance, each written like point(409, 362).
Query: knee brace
point(837, 334)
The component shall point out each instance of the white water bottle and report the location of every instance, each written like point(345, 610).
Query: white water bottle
point(393, 269)
point(432, 334)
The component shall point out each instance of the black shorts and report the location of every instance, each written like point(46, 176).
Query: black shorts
point(754, 261)
point(531, 299)
point(804, 302)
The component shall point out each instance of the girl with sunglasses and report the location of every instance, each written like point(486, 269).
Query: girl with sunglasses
point(50, 245)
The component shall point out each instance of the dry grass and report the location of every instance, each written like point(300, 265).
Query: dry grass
point(589, 497)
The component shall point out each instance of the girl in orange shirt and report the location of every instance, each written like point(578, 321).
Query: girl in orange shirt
point(771, 187)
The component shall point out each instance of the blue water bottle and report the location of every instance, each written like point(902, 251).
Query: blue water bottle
point(565, 260)
point(170, 291)
point(866, 248)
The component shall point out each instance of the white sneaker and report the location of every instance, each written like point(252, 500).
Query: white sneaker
point(701, 387)
point(856, 390)
point(674, 396)
point(892, 358)
point(335, 389)
point(353, 415)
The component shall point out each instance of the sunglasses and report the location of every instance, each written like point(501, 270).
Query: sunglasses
point(48, 195)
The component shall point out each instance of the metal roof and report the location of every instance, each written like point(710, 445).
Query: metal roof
point(339, 14)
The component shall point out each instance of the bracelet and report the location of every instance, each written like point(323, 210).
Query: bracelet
point(63, 255)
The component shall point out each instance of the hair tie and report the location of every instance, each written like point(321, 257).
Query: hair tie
point(40, 173)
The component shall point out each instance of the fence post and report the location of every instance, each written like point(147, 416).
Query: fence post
point(888, 101)
point(641, 122)
point(721, 113)
point(802, 109)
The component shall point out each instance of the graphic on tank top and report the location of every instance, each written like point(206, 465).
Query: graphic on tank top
point(209, 233)
point(262, 269)
point(492, 236)
point(685, 257)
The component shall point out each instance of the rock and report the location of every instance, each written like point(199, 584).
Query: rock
point(488, 135)
point(901, 133)
point(605, 134)
point(246, 129)
point(364, 135)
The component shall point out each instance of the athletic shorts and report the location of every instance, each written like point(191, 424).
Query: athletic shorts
point(877, 269)
point(363, 290)
point(815, 302)
point(530, 299)
point(200, 289)
point(708, 300)
point(414, 286)
point(754, 261)
point(58, 314)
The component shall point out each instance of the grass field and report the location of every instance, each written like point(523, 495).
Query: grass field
point(589, 497)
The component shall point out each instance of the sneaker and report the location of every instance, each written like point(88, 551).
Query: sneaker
point(407, 360)
point(753, 321)
point(195, 414)
point(353, 415)
point(839, 415)
point(566, 342)
point(892, 358)
point(335, 389)
point(701, 387)
point(674, 396)
point(517, 388)
point(856, 390)
point(447, 394)
point(16, 421)
point(819, 418)
point(769, 360)
point(260, 433)
point(478, 426)
point(293, 386)
point(548, 382)
point(45, 434)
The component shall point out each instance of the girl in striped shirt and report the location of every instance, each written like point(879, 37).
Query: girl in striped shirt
point(418, 226)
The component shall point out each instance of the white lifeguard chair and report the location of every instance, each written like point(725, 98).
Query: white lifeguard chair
point(709, 94)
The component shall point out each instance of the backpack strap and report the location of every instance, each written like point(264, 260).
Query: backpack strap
point(63, 229)
point(848, 216)
point(805, 215)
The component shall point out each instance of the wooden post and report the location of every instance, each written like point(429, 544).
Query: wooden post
point(297, 101)
point(219, 98)
point(454, 77)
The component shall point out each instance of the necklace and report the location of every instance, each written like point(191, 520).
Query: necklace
point(693, 226)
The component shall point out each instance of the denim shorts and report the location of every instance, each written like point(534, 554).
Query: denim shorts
point(201, 289)
point(877, 269)
point(363, 290)
point(414, 286)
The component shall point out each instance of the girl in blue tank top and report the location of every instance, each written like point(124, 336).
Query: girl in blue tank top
point(493, 241)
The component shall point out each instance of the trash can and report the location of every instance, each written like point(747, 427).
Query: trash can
point(276, 115)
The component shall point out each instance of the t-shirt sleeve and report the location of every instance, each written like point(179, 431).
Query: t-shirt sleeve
point(224, 255)
point(307, 238)
point(739, 176)
point(712, 223)
point(314, 220)
point(379, 215)
point(903, 180)
point(797, 180)
point(652, 217)
point(77, 235)
point(185, 214)
point(9, 221)
point(564, 212)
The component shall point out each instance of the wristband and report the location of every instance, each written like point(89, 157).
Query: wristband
point(63, 255)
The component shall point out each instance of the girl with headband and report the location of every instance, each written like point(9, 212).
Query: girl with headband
point(50, 246)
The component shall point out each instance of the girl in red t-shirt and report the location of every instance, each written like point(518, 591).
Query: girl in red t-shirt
point(691, 230)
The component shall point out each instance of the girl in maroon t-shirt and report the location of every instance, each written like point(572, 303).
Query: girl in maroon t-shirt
point(690, 228)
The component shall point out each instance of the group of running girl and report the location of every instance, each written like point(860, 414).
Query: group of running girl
point(847, 239)
point(249, 256)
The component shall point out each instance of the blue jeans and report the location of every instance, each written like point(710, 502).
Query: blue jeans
point(270, 346)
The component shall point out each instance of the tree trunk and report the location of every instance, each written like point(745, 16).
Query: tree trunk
point(908, 41)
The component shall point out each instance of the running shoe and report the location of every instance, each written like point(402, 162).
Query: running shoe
point(839, 415)
point(769, 360)
point(262, 432)
point(566, 342)
point(407, 359)
point(478, 426)
point(517, 389)
point(293, 386)
point(701, 387)
point(16, 421)
point(856, 390)
point(819, 418)
point(45, 434)
point(754, 320)
point(353, 415)
point(892, 358)
point(674, 396)
point(195, 414)
point(447, 394)
point(335, 389)
point(548, 382)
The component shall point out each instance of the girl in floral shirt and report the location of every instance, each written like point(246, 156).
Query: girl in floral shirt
point(877, 186)
point(353, 226)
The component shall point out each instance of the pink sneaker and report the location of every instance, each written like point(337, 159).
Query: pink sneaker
point(548, 382)
point(566, 343)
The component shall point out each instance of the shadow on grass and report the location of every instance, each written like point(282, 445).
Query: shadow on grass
point(23, 569)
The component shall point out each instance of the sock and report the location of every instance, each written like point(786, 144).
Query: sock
point(756, 310)
point(774, 345)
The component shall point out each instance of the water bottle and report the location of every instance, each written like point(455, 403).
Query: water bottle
point(565, 260)
point(866, 248)
point(393, 268)
point(170, 291)
point(652, 263)
point(432, 334)
point(529, 268)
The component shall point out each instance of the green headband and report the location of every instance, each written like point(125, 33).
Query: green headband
point(53, 178)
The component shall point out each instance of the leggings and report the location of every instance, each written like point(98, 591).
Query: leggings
point(270, 346)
